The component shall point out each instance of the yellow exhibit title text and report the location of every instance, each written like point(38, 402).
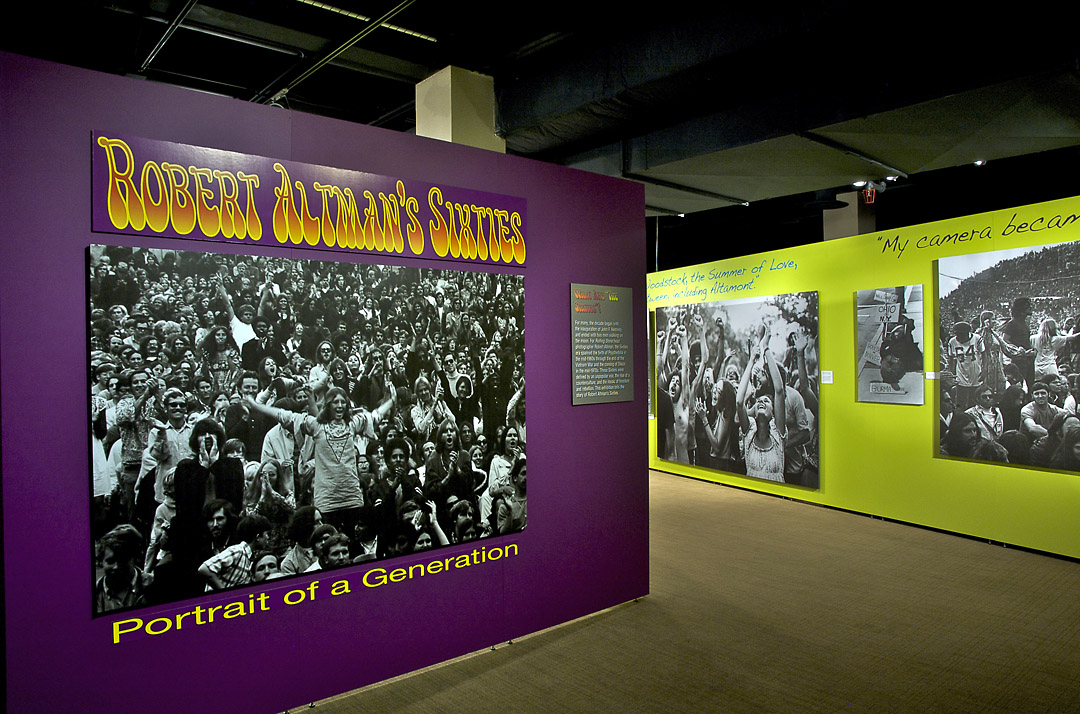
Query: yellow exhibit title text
point(171, 196)
point(212, 202)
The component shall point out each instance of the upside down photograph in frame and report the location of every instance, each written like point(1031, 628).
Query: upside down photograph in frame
point(889, 354)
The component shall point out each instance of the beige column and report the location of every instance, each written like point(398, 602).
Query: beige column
point(857, 218)
point(457, 105)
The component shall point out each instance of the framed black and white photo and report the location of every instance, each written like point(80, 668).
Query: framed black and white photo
point(737, 386)
point(256, 417)
point(889, 352)
point(1009, 352)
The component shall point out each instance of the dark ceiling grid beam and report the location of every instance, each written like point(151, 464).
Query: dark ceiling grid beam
point(533, 47)
point(830, 143)
point(394, 114)
point(658, 209)
point(224, 26)
point(191, 82)
point(173, 25)
point(684, 188)
point(625, 149)
point(277, 35)
point(220, 33)
point(364, 18)
point(244, 40)
point(272, 93)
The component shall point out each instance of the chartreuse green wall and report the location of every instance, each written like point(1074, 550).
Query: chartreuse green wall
point(879, 459)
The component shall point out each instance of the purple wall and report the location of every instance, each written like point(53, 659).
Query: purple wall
point(586, 546)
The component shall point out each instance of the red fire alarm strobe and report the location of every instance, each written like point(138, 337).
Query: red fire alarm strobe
point(869, 194)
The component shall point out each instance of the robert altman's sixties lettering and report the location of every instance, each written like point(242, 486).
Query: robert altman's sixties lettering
point(254, 418)
point(1009, 356)
point(737, 387)
point(148, 187)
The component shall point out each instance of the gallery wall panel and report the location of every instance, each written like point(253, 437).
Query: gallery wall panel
point(884, 458)
point(586, 545)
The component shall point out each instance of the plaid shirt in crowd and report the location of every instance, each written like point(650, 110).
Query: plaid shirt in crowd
point(232, 565)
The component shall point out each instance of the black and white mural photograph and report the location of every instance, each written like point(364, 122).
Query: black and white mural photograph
point(889, 354)
point(257, 417)
point(1009, 352)
point(737, 386)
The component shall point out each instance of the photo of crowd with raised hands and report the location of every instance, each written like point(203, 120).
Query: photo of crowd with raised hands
point(255, 417)
point(737, 387)
point(1010, 356)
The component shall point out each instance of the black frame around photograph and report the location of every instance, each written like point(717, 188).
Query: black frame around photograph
point(1009, 353)
point(251, 415)
point(719, 368)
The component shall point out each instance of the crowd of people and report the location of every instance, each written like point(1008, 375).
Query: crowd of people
point(256, 417)
point(1009, 389)
point(1047, 274)
point(1010, 363)
point(738, 402)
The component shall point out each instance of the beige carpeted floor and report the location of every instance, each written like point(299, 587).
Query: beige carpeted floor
point(761, 604)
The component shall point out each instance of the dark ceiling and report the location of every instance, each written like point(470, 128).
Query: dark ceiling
point(775, 105)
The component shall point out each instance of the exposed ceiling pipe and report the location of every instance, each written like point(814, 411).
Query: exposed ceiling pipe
point(364, 18)
point(294, 51)
point(221, 34)
point(169, 30)
point(250, 41)
point(269, 94)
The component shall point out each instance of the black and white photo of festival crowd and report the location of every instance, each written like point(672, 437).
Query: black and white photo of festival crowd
point(257, 417)
point(737, 387)
point(1009, 355)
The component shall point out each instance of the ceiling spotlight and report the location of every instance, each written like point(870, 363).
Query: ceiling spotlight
point(892, 178)
point(682, 215)
point(858, 184)
point(745, 203)
point(980, 162)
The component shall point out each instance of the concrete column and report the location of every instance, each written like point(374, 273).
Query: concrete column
point(857, 218)
point(457, 105)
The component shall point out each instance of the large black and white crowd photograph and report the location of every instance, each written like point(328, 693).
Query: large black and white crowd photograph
point(257, 417)
point(1010, 356)
point(737, 387)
